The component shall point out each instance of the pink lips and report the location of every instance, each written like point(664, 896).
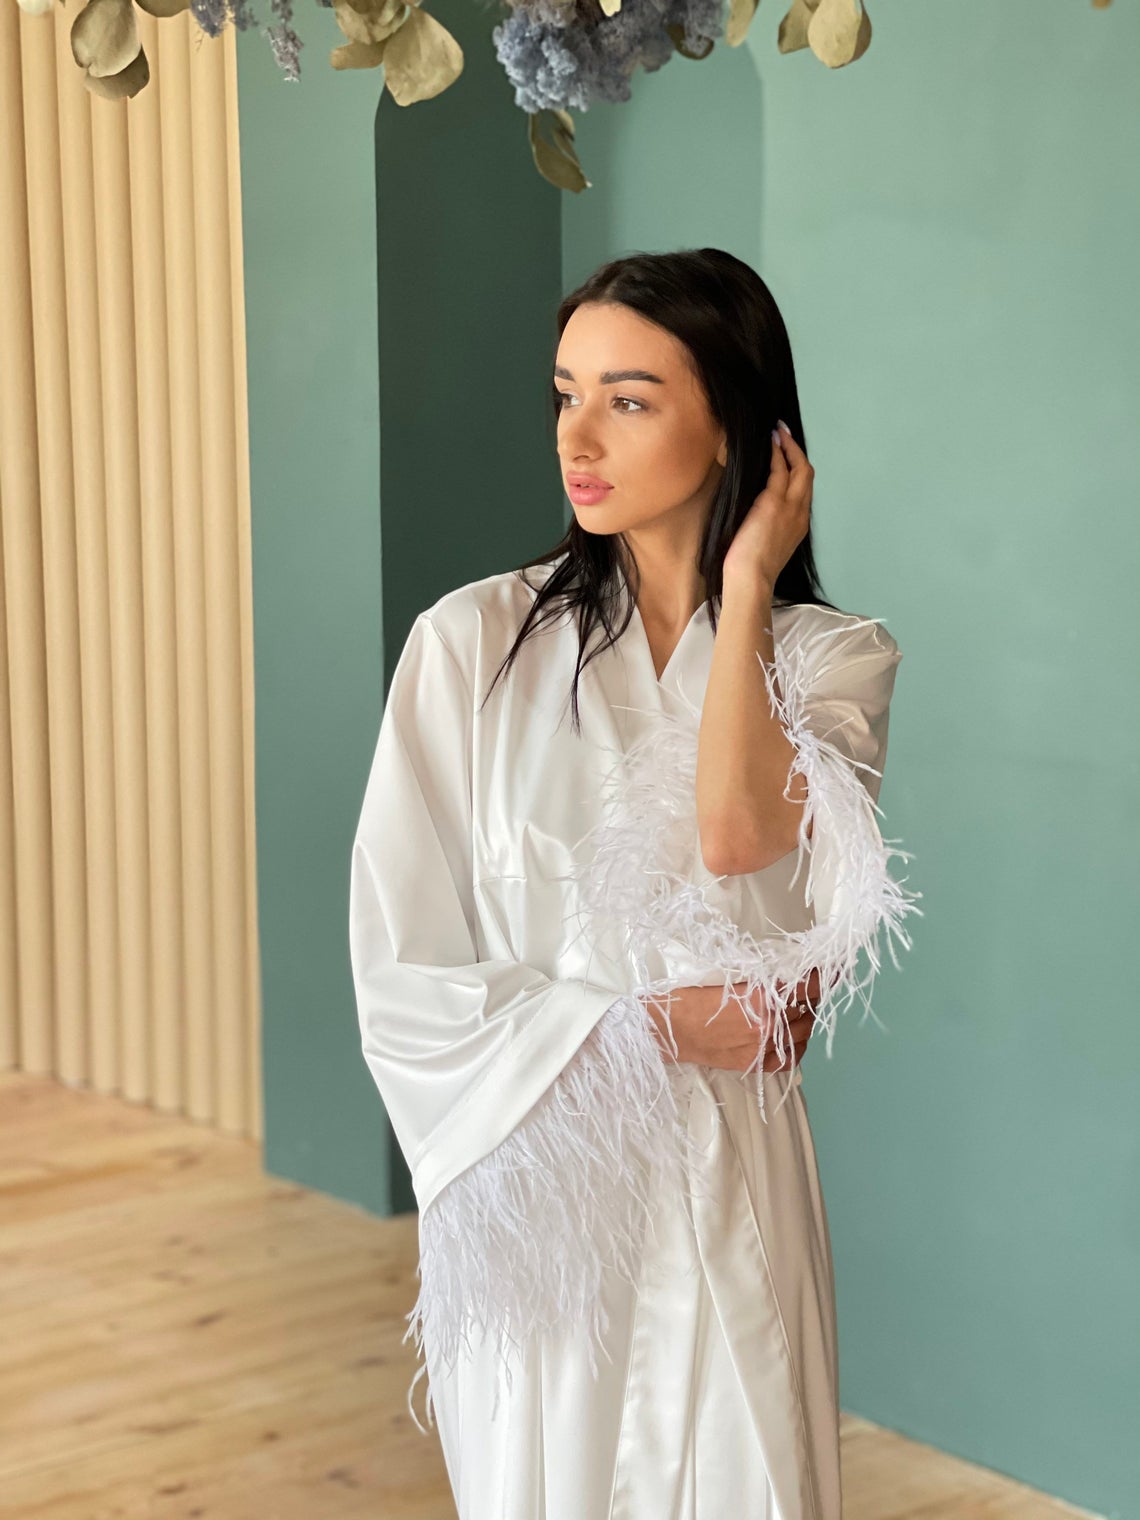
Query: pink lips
point(586, 490)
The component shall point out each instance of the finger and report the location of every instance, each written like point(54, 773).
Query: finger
point(799, 1032)
point(773, 1061)
point(801, 486)
point(791, 447)
point(799, 992)
point(811, 988)
point(801, 475)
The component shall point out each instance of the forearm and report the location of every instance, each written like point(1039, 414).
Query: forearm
point(744, 757)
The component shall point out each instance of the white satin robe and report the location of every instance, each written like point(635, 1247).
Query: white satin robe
point(482, 995)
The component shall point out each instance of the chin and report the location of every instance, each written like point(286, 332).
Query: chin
point(594, 520)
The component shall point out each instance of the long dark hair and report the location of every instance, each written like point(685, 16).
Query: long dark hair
point(726, 316)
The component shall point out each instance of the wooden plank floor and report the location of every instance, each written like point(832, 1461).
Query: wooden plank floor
point(185, 1338)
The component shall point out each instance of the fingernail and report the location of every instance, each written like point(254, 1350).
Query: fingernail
point(784, 425)
point(775, 436)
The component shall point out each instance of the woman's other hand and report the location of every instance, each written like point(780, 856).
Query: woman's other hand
point(729, 1039)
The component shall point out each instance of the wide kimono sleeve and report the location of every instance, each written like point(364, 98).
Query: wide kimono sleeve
point(464, 1050)
point(459, 1047)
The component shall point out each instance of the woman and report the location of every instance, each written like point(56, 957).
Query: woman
point(589, 951)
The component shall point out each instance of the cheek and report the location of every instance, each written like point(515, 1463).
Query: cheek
point(686, 451)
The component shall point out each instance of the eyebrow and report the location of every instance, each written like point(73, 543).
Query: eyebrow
point(613, 376)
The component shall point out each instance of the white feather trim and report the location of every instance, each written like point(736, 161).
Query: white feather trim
point(517, 1243)
point(640, 861)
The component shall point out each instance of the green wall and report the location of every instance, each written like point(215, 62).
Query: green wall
point(454, 429)
point(950, 226)
point(309, 230)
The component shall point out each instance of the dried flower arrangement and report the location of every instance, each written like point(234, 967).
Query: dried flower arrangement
point(557, 53)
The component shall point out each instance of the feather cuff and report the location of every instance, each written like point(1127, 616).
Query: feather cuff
point(639, 864)
point(517, 1244)
point(846, 852)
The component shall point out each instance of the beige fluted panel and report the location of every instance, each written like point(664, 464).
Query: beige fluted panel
point(152, 359)
point(223, 614)
point(128, 925)
point(173, 65)
point(11, 196)
point(118, 381)
point(30, 864)
point(9, 987)
point(57, 517)
point(253, 1095)
point(101, 1065)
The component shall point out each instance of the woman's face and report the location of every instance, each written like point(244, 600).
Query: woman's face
point(649, 435)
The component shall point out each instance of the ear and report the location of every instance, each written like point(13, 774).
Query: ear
point(722, 451)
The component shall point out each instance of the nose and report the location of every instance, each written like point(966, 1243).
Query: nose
point(575, 443)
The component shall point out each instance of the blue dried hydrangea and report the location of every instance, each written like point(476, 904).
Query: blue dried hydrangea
point(556, 62)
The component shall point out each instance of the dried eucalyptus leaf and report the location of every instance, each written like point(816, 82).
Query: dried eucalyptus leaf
point(551, 134)
point(105, 37)
point(358, 55)
point(123, 85)
point(370, 20)
point(839, 32)
point(740, 17)
point(793, 33)
point(162, 8)
point(421, 59)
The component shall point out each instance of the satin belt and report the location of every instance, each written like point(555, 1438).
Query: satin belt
point(672, 1347)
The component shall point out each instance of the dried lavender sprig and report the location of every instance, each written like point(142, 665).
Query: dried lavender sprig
point(213, 16)
point(285, 42)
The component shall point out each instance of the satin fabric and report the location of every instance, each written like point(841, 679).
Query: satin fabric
point(721, 1395)
point(475, 987)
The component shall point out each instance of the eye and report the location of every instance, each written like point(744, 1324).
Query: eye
point(564, 396)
